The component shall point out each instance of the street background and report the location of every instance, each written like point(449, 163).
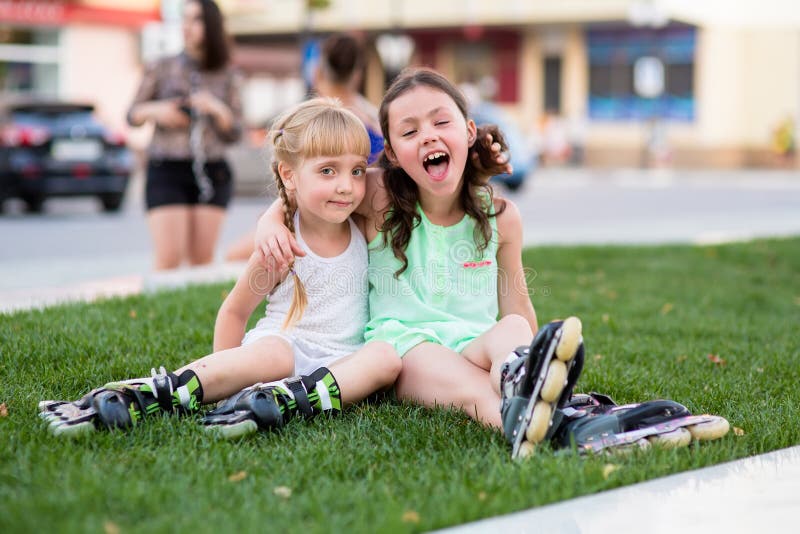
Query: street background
point(73, 243)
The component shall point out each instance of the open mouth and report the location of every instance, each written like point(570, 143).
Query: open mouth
point(436, 164)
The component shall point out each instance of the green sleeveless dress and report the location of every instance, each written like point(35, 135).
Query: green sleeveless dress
point(447, 295)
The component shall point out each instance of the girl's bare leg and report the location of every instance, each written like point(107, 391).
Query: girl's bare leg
point(490, 350)
point(436, 376)
point(229, 371)
point(374, 367)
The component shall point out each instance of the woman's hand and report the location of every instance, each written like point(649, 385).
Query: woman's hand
point(165, 113)
point(205, 103)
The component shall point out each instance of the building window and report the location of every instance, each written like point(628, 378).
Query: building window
point(612, 54)
point(29, 61)
point(552, 85)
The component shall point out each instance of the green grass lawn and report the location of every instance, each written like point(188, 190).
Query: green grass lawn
point(651, 316)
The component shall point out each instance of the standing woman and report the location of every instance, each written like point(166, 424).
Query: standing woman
point(193, 100)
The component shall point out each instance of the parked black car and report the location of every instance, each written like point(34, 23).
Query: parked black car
point(52, 148)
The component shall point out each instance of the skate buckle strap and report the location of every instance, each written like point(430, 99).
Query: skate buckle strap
point(162, 389)
point(295, 385)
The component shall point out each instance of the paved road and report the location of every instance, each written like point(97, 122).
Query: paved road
point(74, 243)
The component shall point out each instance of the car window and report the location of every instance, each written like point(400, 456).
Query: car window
point(52, 119)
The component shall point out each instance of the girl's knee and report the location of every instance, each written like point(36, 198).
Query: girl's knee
point(516, 325)
point(389, 363)
point(277, 355)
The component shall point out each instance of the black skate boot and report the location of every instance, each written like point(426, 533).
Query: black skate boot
point(594, 423)
point(540, 380)
point(124, 404)
point(270, 406)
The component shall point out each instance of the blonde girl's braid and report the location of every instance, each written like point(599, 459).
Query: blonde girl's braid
point(317, 127)
point(299, 296)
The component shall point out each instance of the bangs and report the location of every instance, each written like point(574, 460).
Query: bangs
point(333, 133)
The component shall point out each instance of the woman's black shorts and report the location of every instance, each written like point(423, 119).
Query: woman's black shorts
point(173, 182)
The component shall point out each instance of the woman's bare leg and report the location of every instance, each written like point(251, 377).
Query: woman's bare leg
point(169, 230)
point(241, 249)
point(206, 223)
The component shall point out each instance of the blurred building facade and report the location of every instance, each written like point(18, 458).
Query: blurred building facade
point(568, 71)
point(84, 50)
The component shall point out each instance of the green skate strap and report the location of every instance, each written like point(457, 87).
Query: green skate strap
point(295, 385)
point(136, 397)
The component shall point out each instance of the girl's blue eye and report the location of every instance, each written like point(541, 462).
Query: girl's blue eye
point(327, 171)
point(358, 172)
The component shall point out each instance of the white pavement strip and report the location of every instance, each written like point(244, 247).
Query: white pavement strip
point(120, 286)
point(756, 494)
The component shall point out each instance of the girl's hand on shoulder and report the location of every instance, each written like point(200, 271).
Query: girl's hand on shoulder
point(489, 154)
point(276, 245)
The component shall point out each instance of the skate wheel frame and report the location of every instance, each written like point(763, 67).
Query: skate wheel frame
point(672, 433)
point(548, 387)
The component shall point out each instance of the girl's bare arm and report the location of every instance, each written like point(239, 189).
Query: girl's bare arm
point(250, 289)
point(512, 289)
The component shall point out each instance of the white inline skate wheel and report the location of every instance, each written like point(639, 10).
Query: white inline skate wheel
point(554, 383)
point(540, 422)
point(570, 339)
point(526, 449)
point(680, 437)
point(714, 429)
point(72, 431)
point(628, 448)
point(236, 430)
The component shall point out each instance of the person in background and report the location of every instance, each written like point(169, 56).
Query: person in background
point(338, 75)
point(193, 100)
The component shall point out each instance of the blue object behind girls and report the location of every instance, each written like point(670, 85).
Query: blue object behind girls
point(375, 145)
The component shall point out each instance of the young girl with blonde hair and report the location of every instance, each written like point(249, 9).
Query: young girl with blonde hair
point(315, 314)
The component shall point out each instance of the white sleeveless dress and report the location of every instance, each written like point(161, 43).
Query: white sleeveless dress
point(333, 323)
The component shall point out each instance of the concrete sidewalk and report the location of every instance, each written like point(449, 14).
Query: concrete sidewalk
point(757, 494)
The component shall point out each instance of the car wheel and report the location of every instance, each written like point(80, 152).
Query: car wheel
point(513, 186)
point(33, 203)
point(111, 201)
